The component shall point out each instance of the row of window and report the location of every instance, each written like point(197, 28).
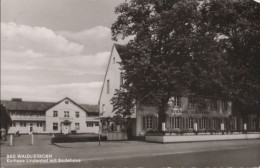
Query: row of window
point(77, 125)
point(191, 102)
point(23, 124)
point(66, 114)
point(150, 122)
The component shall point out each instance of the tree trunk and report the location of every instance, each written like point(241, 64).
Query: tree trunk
point(161, 114)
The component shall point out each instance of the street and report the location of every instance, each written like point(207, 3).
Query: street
point(240, 153)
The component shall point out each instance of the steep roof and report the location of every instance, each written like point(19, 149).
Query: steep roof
point(40, 106)
point(121, 49)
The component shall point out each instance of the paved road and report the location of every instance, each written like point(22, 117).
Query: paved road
point(241, 153)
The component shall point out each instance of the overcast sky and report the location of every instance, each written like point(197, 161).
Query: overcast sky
point(51, 49)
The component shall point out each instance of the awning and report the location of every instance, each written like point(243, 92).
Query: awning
point(66, 122)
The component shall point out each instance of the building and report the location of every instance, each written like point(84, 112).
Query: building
point(182, 114)
point(65, 116)
point(113, 79)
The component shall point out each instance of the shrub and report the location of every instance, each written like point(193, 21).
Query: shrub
point(73, 132)
point(76, 138)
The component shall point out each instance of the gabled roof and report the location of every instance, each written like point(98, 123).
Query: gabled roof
point(43, 106)
point(69, 100)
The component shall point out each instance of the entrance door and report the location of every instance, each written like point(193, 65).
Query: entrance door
point(65, 129)
point(31, 127)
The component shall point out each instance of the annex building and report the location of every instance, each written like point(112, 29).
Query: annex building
point(182, 114)
point(65, 116)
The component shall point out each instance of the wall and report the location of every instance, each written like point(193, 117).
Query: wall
point(26, 129)
point(194, 138)
point(113, 75)
point(60, 108)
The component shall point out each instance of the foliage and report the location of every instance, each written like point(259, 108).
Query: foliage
point(208, 48)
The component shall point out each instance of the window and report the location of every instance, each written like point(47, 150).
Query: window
point(224, 105)
point(234, 124)
point(13, 124)
point(203, 124)
point(22, 124)
point(66, 102)
point(96, 124)
point(176, 122)
point(149, 122)
point(107, 86)
point(214, 123)
point(55, 113)
point(76, 126)
point(213, 105)
point(121, 78)
point(39, 124)
point(77, 114)
point(114, 60)
point(89, 124)
point(191, 102)
point(55, 126)
point(177, 101)
point(66, 114)
point(103, 109)
point(190, 124)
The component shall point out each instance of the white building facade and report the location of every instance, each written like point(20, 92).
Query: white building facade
point(64, 117)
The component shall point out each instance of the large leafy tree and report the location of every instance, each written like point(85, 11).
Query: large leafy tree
point(183, 47)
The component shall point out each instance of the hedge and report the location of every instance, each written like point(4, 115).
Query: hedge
point(77, 138)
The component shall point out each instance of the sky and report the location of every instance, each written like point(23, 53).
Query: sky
point(52, 49)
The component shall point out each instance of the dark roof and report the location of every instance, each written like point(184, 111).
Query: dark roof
point(40, 106)
point(121, 49)
point(26, 105)
point(90, 108)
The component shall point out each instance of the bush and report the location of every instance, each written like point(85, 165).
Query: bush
point(73, 132)
point(76, 138)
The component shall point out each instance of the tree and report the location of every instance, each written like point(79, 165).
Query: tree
point(187, 48)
